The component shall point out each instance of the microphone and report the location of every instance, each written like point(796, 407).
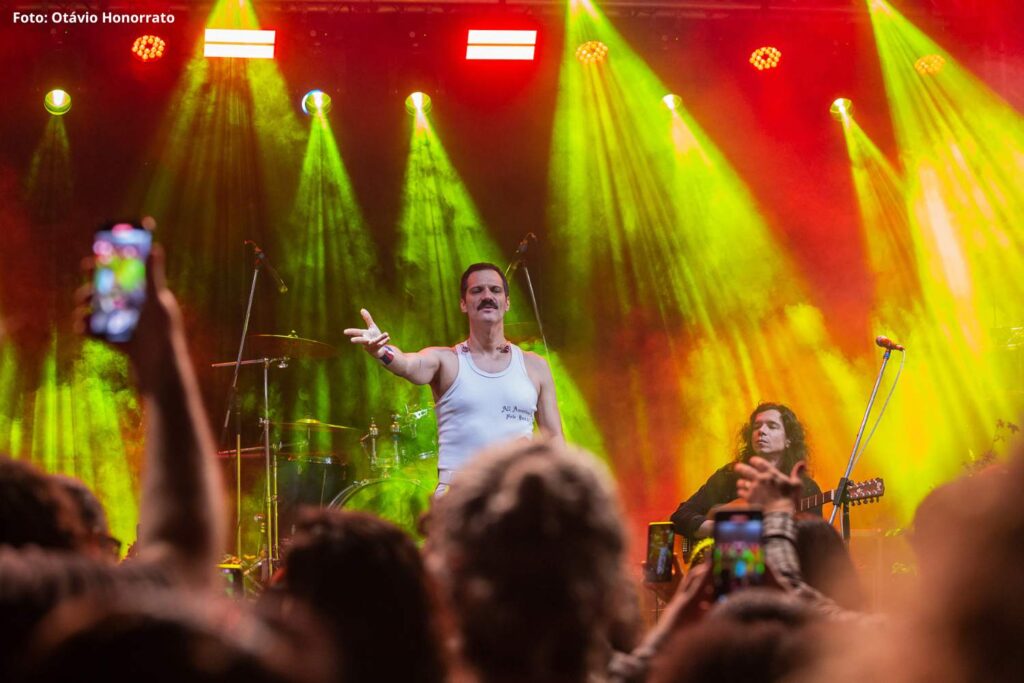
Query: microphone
point(520, 253)
point(524, 244)
point(887, 343)
point(281, 286)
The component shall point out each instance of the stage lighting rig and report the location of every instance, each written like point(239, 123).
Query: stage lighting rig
point(842, 108)
point(57, 102)
point(148, 48)
point(592, 52)
point(673, 102)
point(765, 58)
point(493, 44)
point(239, 43)
point(930, 65)
point(418, 103)
point(316, 103)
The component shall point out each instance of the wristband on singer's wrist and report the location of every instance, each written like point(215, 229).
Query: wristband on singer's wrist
point(386, 355)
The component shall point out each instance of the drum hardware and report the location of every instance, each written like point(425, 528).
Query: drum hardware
point(371, 436)
point(396, 438)
point(248, 452)
point(279, 351)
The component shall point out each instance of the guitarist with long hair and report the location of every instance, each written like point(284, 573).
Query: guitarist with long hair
point(774, 433)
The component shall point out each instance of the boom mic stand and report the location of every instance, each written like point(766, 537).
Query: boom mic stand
point(536, 311)
point(521, 263)
point(234, 407)
point(841, 499)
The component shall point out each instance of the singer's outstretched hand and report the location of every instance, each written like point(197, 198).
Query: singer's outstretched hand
point(371, 339)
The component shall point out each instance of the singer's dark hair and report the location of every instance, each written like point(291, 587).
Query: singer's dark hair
point(464, 285)
point(795, 451)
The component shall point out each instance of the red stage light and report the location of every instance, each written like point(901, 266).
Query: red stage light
point(766, 57)
point(148, 48)
point(501, 44)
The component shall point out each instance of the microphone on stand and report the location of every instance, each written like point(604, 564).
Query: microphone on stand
point(281, 286)
point(520, 254)
point(887, 343)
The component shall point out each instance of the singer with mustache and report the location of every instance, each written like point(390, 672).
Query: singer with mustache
point(486, 389)
point(774, 433)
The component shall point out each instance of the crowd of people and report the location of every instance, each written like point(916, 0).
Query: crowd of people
point(522, 577)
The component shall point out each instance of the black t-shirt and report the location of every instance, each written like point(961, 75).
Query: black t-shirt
point(719, 489)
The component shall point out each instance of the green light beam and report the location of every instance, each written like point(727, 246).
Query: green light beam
point(677, 261)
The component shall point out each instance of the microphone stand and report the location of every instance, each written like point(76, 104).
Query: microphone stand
point(234, 407)
point(536, 310)
point(841, 498)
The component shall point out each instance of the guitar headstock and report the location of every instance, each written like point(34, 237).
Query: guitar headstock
point(866, 491)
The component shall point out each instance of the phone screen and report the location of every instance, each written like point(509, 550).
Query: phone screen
point(737, 559)
point(119, 284)
point(234, 580)
point(660, 545)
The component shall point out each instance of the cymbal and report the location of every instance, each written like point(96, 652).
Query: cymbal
point(290, 345)
point(313, 425)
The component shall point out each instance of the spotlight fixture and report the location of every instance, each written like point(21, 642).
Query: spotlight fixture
point(766, 57)
point(673, 102)
point(148, 48)
point(500, 44)
point(241, 43)
point(841, 108)
point(929, 65)
point(592, 52)
point(57, 102)
point(316, 103)
point(418, 103)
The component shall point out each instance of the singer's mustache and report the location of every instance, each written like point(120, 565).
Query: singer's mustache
point(487, 303)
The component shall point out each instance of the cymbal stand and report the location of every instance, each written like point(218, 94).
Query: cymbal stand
point(396, 444)
point(268, 530)
point(270, 465)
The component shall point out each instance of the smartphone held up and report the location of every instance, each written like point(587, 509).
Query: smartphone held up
point(737, 559)
point(119, 281)
point(661, 539)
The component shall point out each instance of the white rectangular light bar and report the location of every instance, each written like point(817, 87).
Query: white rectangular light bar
point(487, 44)
point(243, 44)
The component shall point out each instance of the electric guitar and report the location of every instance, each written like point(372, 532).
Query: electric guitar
point(857, 493)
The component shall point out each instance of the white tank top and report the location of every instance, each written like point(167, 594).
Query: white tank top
point(481, 408)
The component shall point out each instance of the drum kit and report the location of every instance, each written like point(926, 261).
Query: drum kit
point(394, 479)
